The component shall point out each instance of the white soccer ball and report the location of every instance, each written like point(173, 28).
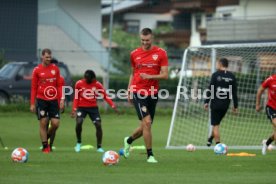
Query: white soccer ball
point(220, 149)
point(110, 158)
point(20, 155)
point(190, 147)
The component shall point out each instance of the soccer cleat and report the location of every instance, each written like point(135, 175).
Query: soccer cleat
point(100, 150)
point(78, 147)
point(209, 141)
point(46, 150)
point(126, 148)
point(151, 159)
point(264, 148)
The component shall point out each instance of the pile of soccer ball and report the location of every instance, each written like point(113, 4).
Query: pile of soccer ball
point(20, 155)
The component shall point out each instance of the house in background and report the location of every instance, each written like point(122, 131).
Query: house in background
point(135, 15)
point(243, 22)
point(72, 29)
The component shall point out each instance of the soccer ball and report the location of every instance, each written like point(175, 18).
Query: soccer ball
point(110, 158)
point(190, 147)
point(20, 155)
point(220, 149)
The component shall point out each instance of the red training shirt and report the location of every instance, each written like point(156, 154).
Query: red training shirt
point(270, 83)
point(45, 83)
point(148, 62)
point(86, 94)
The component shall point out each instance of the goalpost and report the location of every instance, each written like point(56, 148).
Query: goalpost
point(251, 63)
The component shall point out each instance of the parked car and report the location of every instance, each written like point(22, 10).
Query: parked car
point(15, 80)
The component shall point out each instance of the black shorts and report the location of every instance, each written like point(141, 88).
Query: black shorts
point(270, 112)
point(145, 105)
point(93, 113)
point(47, 108)
point(217, 115)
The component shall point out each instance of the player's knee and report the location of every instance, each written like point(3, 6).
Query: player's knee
point(98, 125)
point(146, 123)
point(55, 125)
point(79, 121)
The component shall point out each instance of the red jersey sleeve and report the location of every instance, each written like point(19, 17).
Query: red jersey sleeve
point(132, 60)
point(76, 96)
point(61, 84)
point(266, 83)
point(34, 86)
point(58, 82)
point(102, 91)
point(164, 59)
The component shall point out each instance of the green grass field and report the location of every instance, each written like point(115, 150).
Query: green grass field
point(65, 166)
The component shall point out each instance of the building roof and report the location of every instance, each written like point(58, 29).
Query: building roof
point(121, 5)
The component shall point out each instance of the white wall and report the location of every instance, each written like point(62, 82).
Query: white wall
point(87, 13)
point(256, 9)
point(148, 19)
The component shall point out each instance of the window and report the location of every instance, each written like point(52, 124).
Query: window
point(226, 16)
point(25, 72)
point(132, 26)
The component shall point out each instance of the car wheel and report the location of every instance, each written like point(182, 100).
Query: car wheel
point(4, 99)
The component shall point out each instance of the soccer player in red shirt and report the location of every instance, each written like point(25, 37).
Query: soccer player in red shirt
point(149, 65)
point(87, 90)
point(45, 93)
point(270, 84)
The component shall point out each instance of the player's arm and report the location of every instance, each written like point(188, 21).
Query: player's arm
point(61, 93)
point(59, 84)
point(75, 101)
point(164, 73)
point(208, 94)
point(235, 95)
point(102, 91)
point(129, 88)
point(258, 98)
point(34, 86)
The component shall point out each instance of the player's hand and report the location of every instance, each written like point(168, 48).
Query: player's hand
point(32, 108)
point(130, 98)
point(116, 110)
point(61, 106)
point(73, 114)
point(206, 106)
point(235, 110)
point(145, 76)
point(258, 108)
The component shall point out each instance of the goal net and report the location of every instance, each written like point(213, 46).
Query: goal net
point(251, 63)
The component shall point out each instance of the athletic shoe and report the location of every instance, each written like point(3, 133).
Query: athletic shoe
point(209, 141)
point(151, 159)
point(264, 148)
point(78, 147)
point(100, 150)
point(126, 148)
point(46, 150)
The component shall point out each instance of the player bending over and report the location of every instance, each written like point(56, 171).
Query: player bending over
point(87, 90)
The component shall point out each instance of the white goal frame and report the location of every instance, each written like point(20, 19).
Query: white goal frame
point(183, 74)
